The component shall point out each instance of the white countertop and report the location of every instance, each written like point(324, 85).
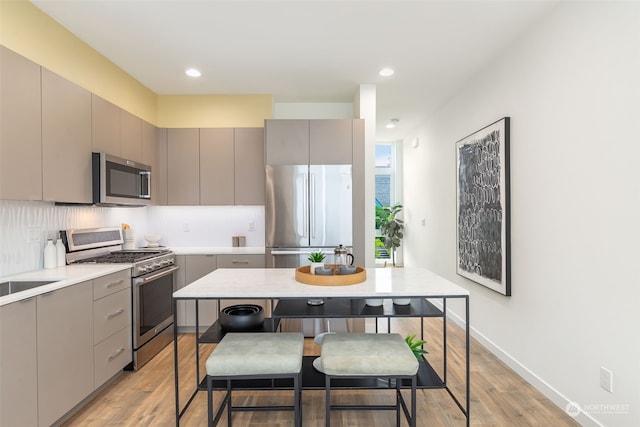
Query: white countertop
point(281, 283)
point(217, 250)
point(62, 277)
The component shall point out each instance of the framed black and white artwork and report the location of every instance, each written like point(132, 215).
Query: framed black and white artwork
point(482, 207)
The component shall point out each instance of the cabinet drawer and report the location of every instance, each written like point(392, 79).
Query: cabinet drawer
point(112, 355)
point(107, 285)
point(241, 261)
point(110, 314)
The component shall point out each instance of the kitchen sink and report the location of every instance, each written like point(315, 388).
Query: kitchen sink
point(12, 287)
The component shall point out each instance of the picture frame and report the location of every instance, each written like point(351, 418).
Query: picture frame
point(483, 216)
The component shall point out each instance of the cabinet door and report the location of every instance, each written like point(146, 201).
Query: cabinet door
point(249, 166)
point(159, 176)
point(65, 350)
point(105, 126)
point(198, 266)
point(20, 128)
point(330, 142)
point(130, 136)
point(183, 167)
point(216, 167)
point(149, 155)
point(18, 361)
point(287, 142)
point(66, 140)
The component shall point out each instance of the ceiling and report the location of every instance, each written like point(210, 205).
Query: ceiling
point(304, 51)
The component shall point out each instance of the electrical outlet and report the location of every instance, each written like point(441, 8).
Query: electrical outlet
point(606, 379)
point(185, 227)
point(252, 226)
point(33, 235)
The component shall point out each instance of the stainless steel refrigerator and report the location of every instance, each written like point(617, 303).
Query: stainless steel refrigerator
point(308, 208)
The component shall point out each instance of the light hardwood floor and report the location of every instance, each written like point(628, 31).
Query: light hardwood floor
point(499, 397)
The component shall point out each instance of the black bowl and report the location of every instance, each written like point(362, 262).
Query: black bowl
point(242, 317)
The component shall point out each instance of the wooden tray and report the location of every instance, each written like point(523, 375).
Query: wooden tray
point(303, 275)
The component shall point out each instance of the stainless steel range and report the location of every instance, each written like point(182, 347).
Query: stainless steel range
point(153, 282)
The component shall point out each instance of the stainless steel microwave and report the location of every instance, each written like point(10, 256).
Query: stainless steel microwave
point(118, 181)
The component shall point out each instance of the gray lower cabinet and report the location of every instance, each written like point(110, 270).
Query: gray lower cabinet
point(112, 349)
point(193, 267)
point(65, 350)
point(18, 364)
point(196, 267)
point(58, 347)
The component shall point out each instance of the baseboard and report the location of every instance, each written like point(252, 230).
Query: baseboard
point(539, 384)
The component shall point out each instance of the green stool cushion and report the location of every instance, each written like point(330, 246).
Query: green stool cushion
point(256, 354)
point(367, 354)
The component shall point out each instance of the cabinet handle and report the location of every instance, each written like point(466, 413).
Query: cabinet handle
point(117, 313)
point(112, 284)
point(27, 300)
point(236, 261)
point(116, 354)
point(46, 294)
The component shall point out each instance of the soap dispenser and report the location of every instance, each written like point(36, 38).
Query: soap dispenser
point(61, 260)
point(50, 259)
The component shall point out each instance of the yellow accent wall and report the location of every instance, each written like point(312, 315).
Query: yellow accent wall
point(175, 111)
point(25, 29)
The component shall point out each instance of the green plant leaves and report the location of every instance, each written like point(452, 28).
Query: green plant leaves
point(316, 257)
point(416, 346)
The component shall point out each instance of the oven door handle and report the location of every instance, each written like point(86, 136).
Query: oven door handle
point(158, 275)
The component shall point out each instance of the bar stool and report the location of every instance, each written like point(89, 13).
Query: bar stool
point(385, 356)
point(255, 356)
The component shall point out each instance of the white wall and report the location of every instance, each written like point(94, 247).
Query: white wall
point(572, 89)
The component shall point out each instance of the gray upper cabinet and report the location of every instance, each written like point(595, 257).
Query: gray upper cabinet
point(150, 156)
point(159, 177)
point(211, 166)
point(66, 140)
point(330, 142)
point(20, 128)
point(183, 167)
point(287, 142)
point(217, 167)
point(105, 126)
point(315, 142)
point(130, 136)
point(249, 166)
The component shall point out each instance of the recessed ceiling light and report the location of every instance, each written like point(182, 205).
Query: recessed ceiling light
point(192, 72)
point(386, 72)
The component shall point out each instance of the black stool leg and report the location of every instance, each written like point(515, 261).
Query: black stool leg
point(209, 401)
point(297, 401)
point(229, 414)
point(327, 402)
point(413, 400)
point(398, 397)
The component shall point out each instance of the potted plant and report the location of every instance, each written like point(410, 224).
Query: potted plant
point(317, 260)
point(416, 346)
point(391, 228)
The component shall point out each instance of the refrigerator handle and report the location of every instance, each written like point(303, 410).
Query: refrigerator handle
point(312, 204)
point(305, 207)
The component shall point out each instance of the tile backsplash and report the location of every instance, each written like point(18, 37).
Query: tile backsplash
point(25, 227)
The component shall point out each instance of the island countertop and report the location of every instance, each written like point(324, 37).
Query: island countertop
point(281, 283)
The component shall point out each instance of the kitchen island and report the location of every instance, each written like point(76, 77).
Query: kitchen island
point(427, 291)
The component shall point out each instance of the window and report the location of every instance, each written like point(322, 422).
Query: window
point(387, 186)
